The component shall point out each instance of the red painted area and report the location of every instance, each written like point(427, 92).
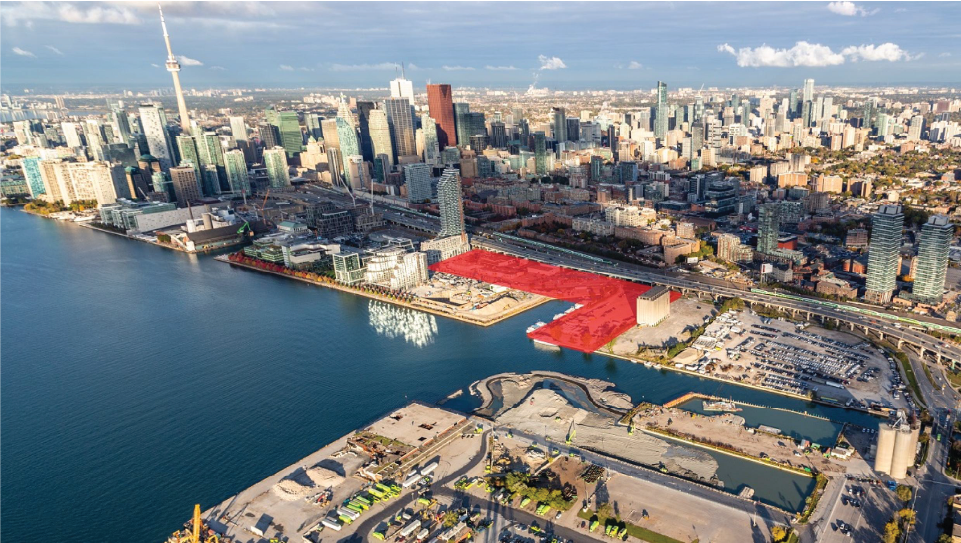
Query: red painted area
point(610, 305)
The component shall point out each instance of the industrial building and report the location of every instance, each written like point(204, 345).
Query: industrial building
point(654, 306)
point(897, 446)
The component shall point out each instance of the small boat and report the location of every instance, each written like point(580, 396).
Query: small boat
point(535, 326)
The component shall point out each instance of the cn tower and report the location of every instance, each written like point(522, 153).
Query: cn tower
point(174, 68)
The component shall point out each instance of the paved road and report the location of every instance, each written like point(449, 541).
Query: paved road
point(366, 527)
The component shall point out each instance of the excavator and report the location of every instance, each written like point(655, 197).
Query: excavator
point(197, 532)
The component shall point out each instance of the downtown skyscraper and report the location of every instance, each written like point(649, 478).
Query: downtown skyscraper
point(441, 107)
point(154, 122)
point(401, 126)
point(661, 110)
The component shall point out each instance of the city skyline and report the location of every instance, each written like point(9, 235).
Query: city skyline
point(65, 45)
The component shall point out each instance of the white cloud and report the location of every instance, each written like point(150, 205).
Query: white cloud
point(218, 68)
point(97, 15)
point(850, 9)
point(305, 69)
point(364, 67)
point(457, 68)
point(944, 55)
point(54, 49)
point(413, 66)
point(286, 68)
point(802, 54)
point(23, 52)
point(187, 61)
point(550, 63)
point(814, 55)
point(499, 68)
point(154, 65)
point(886, 51)
point(634, 65)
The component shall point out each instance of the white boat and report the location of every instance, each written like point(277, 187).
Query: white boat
point(535, 326)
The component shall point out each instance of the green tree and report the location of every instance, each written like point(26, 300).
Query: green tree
point(605, 510)
point(904, 492)
point(907, 516)
point(450, 518)
point(891, 532)
point(778, 534)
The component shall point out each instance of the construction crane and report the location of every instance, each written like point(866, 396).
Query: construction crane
point(263, 205)
point(195, 536)
point(699, 90)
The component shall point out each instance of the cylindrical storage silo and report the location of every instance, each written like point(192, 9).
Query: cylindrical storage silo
point(886, 440)
point(905, 445)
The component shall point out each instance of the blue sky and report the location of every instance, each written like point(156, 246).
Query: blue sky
point(57, 45)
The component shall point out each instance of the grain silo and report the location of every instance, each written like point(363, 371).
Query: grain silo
point(897, 444)
point(887, 436)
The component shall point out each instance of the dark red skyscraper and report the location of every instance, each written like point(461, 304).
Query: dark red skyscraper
point(441, 104)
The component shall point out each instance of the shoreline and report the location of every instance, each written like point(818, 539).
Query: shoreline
point(373, 296)
point(655, 365)
point(667, 435)
point(514, 312)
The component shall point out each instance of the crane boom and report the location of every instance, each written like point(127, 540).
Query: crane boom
point(195, 536)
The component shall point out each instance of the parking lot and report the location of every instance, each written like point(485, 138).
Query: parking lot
point(799, 358)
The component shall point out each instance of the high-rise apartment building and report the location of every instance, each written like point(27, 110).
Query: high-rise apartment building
point(559, 121)
point(154, 122)
point(768, 226)
point(278, 174)
point(808, 90)
point(349, 146)
point(661, 111)
point(883, 251)
point(235, 165)
point(186, 185)
point(451, 204)
point(401, 126)
point(33, 177)
point(440, 103)
point(417, 178)
point(238, 128)
point(540, 153)
point(431, 143)
point(936, 235)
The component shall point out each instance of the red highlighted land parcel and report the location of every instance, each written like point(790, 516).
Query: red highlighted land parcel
point(610, 305)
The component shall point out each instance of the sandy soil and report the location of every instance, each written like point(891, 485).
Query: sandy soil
point(729, 428)
point(547, 413)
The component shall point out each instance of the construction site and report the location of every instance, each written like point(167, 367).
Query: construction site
point(564, 454)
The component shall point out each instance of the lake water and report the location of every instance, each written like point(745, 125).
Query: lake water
point(137, 381)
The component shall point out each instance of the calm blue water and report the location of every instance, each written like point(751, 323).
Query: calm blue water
point(138, 381)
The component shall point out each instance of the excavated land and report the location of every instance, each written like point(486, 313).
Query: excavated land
point(728, 430)
point(554, 413)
